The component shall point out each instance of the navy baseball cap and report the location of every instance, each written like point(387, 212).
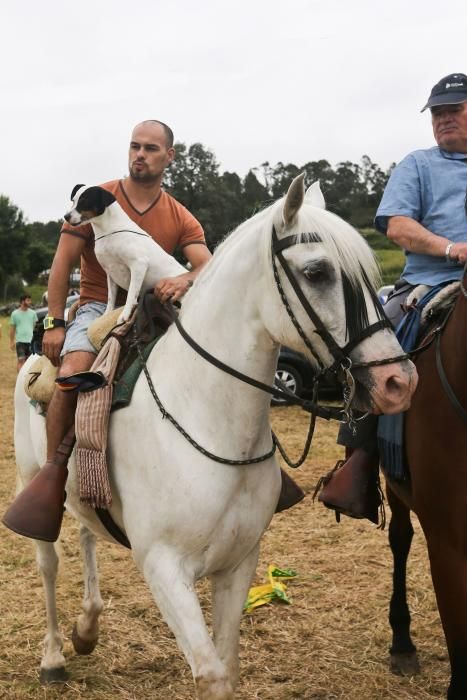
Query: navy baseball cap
point(450, 90)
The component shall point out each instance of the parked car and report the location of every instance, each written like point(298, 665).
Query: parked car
point(297, 374)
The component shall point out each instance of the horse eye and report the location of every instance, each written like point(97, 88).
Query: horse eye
point(319, 272)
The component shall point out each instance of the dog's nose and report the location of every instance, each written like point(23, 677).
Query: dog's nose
point(67, 217)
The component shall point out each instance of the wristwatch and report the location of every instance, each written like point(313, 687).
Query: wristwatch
point(51, 322)
point(447, 252)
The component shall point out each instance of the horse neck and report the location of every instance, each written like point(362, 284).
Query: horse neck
point(221, 313)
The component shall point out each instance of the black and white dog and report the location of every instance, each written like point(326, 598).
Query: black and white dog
point(129, 256)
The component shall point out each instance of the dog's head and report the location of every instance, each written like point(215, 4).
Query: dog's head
point(88, 204)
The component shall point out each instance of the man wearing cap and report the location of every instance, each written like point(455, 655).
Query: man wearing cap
point(424, 211)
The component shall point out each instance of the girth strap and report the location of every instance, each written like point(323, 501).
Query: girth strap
point(112, 528)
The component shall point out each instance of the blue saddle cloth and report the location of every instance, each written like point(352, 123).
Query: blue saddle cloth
point(391, 428)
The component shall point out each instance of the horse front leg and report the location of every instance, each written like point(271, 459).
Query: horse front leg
point(229, 593)
point(403, 652)
point(53, 662)
point(448, 562)
point(86, 629)
point(172, 583)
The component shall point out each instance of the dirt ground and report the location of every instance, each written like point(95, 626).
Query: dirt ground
point(331, 642)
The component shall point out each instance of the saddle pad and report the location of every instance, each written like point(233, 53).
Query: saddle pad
point(123, 388)
point(39, 383)
point(391, 428)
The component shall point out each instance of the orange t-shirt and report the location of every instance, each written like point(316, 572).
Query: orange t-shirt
point(166, 220)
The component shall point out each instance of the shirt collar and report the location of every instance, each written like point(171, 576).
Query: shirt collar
point(453, 155)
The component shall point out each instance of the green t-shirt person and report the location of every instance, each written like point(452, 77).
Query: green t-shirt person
point(22, 322)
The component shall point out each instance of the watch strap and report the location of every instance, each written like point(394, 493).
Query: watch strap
point(51, 322)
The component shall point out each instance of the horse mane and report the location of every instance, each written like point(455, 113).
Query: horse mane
point(341, 242)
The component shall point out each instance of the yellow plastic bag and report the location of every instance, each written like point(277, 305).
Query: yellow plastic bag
point(274, 590)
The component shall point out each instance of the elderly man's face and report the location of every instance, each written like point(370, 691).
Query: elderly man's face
point(450, 127)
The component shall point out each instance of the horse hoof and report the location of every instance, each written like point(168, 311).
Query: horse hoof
point(82, 646)
point(405, 664)
point(53, 675)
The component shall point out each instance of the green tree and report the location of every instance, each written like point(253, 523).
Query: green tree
point(282, 175)
point(193, 178)
point(13, 242)
point(42, 240)
point(255, 194)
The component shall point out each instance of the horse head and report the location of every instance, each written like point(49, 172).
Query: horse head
point(327, 306)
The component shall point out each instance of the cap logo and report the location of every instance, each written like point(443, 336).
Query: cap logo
point(450, 85)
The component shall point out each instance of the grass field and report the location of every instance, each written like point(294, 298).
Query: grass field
point(330, 643)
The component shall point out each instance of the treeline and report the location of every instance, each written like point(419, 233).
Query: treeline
point(219, 200)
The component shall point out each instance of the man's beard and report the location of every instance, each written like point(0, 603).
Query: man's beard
point(143, 175)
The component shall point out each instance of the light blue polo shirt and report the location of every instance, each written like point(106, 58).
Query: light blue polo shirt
point(429, 186)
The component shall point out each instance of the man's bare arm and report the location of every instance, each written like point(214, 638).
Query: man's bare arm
point(175, 287)
point(67, 255)
point(415, 238)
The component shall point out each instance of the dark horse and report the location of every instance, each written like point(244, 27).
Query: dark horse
point(436, 448)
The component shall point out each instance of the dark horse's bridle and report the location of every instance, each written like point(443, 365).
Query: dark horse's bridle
point(341, 365)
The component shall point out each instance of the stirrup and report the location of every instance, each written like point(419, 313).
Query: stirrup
point(357, 493)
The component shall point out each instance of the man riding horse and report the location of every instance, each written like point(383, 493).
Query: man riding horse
point(424, 211)
point(171, 225)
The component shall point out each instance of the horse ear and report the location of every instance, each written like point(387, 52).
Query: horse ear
point(314, 196)
point(294, 199)
point(75, 190)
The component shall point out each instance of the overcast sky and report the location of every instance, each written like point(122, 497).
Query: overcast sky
point(254, 80)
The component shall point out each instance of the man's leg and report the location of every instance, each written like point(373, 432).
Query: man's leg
point(21, 355)
point(61, 410)
point(353, 487)
point(78, 354)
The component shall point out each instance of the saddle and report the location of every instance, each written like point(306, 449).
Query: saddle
point(147, 324)
point(426, 314)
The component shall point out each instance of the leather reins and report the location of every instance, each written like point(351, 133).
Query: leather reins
point(341, 366)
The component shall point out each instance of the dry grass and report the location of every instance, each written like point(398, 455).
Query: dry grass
point(330, 643)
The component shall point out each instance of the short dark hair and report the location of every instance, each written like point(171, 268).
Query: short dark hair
point(23, 297)
point(169, 134)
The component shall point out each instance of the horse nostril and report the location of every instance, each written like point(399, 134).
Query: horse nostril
point(396, 385)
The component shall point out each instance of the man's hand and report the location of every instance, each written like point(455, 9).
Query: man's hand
point(52, 344)
point(458, 252)
point(173, 288)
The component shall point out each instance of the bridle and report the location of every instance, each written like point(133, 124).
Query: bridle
point(341, 365)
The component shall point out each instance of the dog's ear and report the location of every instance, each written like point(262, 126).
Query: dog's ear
point(75, 190)
point(107, 197)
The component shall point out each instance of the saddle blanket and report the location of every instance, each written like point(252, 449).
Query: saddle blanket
point(390, 434)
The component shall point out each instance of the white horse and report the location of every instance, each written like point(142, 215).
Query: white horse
point(186, 515)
